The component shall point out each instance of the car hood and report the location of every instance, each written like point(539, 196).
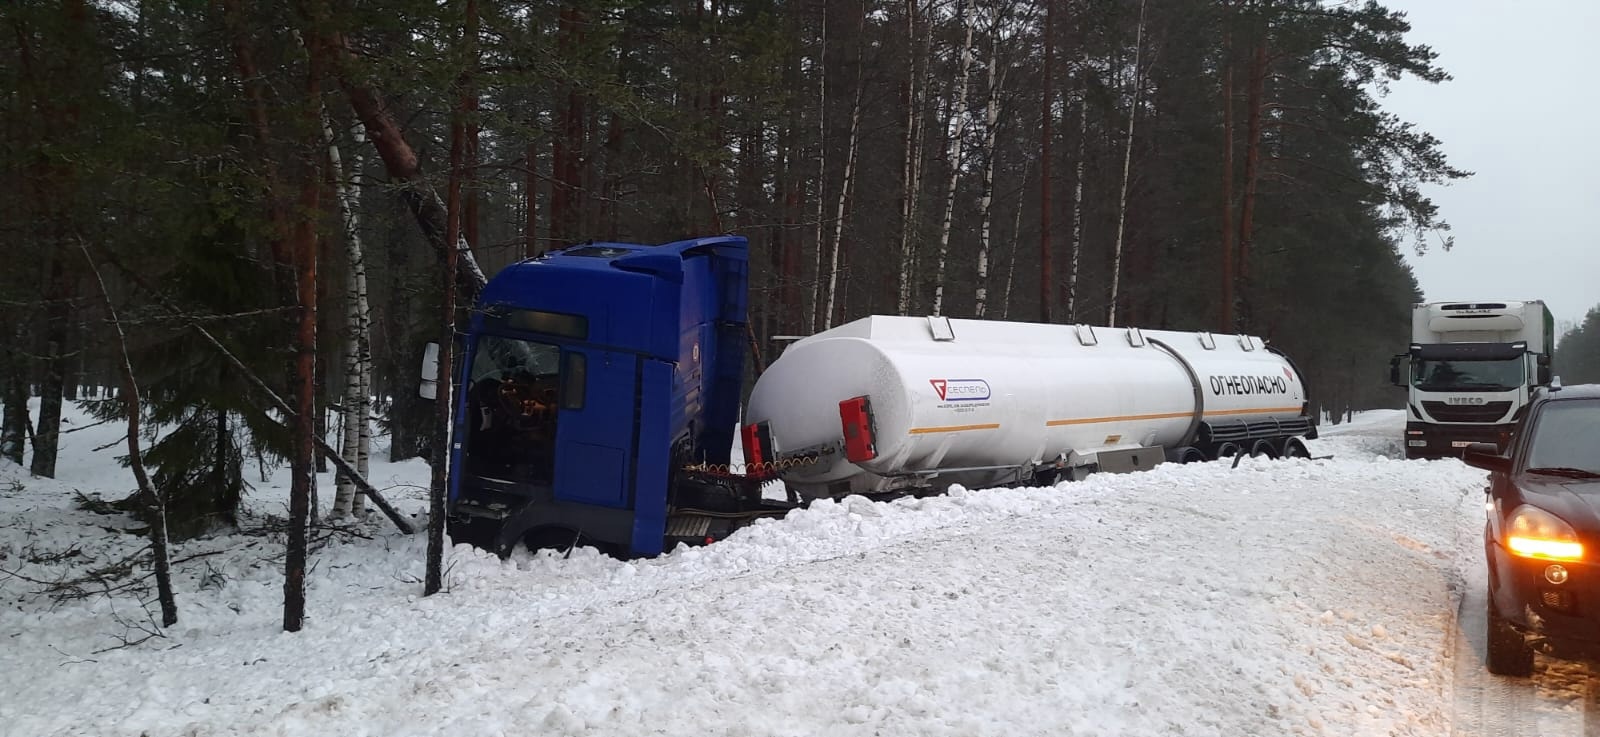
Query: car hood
point(1575, 500)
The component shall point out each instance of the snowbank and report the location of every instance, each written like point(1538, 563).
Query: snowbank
point(1303, 597)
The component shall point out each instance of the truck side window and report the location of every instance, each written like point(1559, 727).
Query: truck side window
point(574, 380)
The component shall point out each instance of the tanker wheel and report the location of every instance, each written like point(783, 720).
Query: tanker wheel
point(1225, 450)
point(1264, 448)
point(1189, 454)
point(1295, 448)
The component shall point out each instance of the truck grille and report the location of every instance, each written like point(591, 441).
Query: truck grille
point(1490, 412)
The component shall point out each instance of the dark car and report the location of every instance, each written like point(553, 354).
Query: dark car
point(1542, 539)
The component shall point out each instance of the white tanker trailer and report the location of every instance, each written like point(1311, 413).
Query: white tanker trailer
point(886, 404)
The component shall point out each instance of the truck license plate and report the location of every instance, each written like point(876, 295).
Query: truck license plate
point(1460, 443)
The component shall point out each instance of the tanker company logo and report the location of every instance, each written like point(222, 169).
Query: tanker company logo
point(1245, 385)
point(961, 390)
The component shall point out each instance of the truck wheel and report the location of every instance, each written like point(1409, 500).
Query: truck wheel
point(1295, 448)
point(1225, 450)
point(1264, 448)
point(1509, 654)
point(1188, 454)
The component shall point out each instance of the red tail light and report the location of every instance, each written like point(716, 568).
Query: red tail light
point(752, 447)
point(856, 417)
point(757, 445)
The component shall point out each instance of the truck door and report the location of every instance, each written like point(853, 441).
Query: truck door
point(595, 441)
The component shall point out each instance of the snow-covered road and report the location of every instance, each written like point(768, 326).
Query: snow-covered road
point(1276, 598)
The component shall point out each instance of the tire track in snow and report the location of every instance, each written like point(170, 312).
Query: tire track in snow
point(1486, 705)
point(1558, 700)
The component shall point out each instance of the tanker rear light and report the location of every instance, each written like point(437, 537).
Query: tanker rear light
point(757, 445)
point(855, 419)
point(1413, 432)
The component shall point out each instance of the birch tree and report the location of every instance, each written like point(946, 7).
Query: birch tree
point(1127, 168)
point(911, 167)
point(957, 128)
point(1075, 249)
point(822, 168)
point(995, 81)
point(851, 146)
point(1011, 259)
point(356, 410)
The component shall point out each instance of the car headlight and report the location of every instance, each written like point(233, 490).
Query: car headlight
point(1535, 533)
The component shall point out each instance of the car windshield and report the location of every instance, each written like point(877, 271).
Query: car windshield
point(1443, 376)
point(1567, 436)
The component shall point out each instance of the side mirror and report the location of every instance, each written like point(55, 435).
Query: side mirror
point(1394, 369)
point(1487, 457)
point(429, 389)
point(1542, 374)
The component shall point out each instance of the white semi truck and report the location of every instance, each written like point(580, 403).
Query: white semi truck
point(1470, 370)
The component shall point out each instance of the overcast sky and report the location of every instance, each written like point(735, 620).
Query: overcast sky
point(1523, 112)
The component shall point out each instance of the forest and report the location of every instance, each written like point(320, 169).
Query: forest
point(239, 223)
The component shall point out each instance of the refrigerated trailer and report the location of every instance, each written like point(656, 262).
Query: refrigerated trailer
point(1470, 370)
point(600, 400)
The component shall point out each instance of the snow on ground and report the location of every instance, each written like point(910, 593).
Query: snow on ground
point(1276, 598)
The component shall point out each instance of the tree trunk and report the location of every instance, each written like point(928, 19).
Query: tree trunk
point(822, 169)
point(155, 504)
point(851, 146)
point(358, 320)
point(302, 463)
point(1252, 172)
point(1074, 258)
point(611, 196)
point(955, 148)
point(566, 198)
point(910, 164)
point(1225, 318)
point(1011, 259)
point(1046, 115)
point(14, 396)
point(434, 581)
point(1127, 170)
point(530, 194)
point(47, 434)
point(996, 79)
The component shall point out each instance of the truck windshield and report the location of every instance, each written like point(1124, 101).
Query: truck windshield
point(1567, 436)
point(1483, 376)
point(512, 401)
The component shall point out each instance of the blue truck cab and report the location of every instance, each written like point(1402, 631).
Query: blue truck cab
point(589, 378)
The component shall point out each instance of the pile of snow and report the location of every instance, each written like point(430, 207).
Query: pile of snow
point(1279, 597)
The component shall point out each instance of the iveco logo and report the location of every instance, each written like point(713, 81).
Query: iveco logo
point(1465, 400)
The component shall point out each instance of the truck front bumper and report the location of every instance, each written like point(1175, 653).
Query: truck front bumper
point(1430, 440)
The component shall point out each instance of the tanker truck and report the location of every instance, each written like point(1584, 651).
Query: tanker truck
point(1470, 371)
point(600, 399)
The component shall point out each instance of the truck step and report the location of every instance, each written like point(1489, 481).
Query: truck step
point(688, 525)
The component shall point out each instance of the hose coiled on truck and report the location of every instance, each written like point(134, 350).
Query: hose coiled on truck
point(760, 469)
